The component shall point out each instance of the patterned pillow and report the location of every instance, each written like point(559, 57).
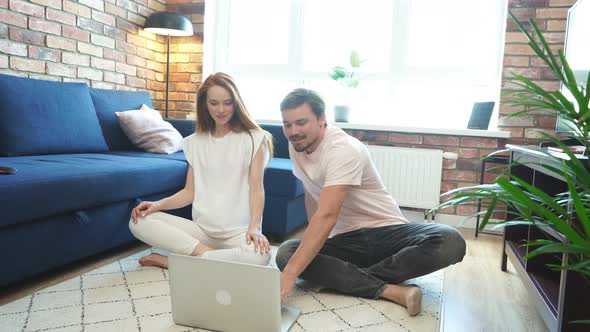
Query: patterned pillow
point(146, 129)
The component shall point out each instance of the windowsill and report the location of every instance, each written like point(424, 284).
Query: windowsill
point(415, 130)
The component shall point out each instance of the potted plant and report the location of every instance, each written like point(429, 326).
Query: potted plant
point(347, 77)
point(528, 205)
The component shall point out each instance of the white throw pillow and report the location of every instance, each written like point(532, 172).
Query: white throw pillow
point(148, 131)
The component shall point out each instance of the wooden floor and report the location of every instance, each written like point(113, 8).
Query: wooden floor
point(477, 295)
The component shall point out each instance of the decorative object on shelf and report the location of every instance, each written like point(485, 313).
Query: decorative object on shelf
point(565, 212)
point(169, 24)
point(348, 78)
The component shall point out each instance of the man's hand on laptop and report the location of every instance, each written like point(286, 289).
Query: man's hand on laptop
point(287, 284)
point(254, 235)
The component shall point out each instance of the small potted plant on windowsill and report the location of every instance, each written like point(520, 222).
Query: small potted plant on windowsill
point(348, 78)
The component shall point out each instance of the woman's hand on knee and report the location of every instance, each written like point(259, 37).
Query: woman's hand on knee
point(254, 235)
point(143, 209)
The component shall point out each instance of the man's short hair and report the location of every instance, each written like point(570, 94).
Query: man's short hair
point(299, 97)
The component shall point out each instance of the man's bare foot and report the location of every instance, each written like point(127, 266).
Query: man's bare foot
point(154, 260)
point(407, 296)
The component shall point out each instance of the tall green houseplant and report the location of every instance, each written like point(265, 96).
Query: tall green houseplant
point(567, 213)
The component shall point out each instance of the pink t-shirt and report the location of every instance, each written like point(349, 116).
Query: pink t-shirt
point(341, 159)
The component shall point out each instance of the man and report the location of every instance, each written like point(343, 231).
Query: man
point(357, 241)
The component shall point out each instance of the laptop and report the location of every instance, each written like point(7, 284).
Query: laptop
point(227, 296)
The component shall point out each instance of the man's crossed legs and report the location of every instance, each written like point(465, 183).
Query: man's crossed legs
point(371, 262)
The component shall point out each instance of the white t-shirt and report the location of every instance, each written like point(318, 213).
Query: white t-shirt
point(221, 167)
point(341, 159)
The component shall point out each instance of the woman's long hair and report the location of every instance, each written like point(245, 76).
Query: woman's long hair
point(240, 121)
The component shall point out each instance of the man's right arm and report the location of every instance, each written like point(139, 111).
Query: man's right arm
point(311, 206)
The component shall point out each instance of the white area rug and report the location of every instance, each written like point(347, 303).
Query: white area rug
point(124, 296)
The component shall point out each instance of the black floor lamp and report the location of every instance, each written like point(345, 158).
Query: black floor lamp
point(169, 24)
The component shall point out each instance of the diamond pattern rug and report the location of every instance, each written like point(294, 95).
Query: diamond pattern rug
point(124, 296)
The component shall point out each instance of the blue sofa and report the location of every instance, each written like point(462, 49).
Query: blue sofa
point(79, 176)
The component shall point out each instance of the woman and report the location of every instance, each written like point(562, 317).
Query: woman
point(226, 156)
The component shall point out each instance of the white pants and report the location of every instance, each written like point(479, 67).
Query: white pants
point(181, 236)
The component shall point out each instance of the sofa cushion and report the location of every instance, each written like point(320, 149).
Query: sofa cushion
point(281, 144)
point(148, 131)
point(142, 154)
point(279, 179)
point(53, 184)
point(44, 117)
point(106, 103)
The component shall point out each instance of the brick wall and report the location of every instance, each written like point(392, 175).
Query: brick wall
point(550, 16)
point(99, 42)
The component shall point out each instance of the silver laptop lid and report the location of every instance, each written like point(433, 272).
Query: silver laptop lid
point(224, 296)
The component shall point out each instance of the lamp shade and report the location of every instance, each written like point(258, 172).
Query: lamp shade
point(167, 23)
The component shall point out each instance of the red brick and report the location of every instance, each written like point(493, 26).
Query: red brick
point(22, 64)
point(114, 78)
point(186, 87)
point(156, 66)
point(137, 19)
point(479, 142)
point(49, 3)
point(102, 64)
point(102, 41)
point(537, 132)
point(136, 61)
point(458, 175)
point(89, 73)
point(196, 78)
point(531, 73)
point(96, 4)
point(446, 186)
point(27, 8)
point(405, 138)
point(156, 86)
point(179, 77)
point(61, 43)
point(156, 46)
point(449, 164)
point(12, 48)
point(59, 69)
point(102, 85)
point(146, 73)
point(552, 13)
point(520, 121)
point(441, 140)
point(90, 49)
point(156, 5)
point(76, 9)
point(3, 3)
point(125, 47)
point(547, 122)
point(117, 11)
point(27, 37)
point(40, 53)
point(556, 25)
point(13, 18)
point(126, 69)
point(518, 49)
point(469, 164)
point(114, 55)
point(143, 11)
point(44, 26)
point(60, 16)
point(115, 33)
point(75, 33)
point(76, 59)
point(466, 210)
point(178, 96)
point(90, 25)
point(136, 82)
point(103, 18)
point(129, 5)
point(4, 31)
point(124, 25)
point(514, 132)
point(136, 40)
point(3, 61)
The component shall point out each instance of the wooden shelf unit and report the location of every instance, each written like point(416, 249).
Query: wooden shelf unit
point(559, 296)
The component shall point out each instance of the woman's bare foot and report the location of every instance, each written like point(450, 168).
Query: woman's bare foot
point(154, 260)
point(407, 296)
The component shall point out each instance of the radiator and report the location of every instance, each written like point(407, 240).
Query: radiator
point(412, 176)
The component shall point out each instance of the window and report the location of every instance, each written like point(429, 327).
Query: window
point(426, 61)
